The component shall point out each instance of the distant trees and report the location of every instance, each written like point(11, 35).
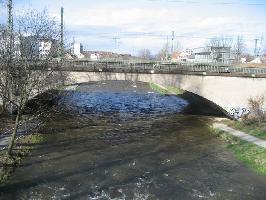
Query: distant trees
point(164, 53)
point(248, 57)
point(239, 48)
point(220, 42)
point(145, 54)
point(264, 47)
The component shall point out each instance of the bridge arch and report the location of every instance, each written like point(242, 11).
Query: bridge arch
point(229, 93)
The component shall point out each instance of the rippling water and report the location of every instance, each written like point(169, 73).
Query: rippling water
point(122, 141)
point(124, 102)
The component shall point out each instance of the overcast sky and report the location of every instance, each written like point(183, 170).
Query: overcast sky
point(130, 25)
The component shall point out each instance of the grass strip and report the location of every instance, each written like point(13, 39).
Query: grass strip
point(257, 129)
point(253, 156)
point(166, 90)
point(24, 145)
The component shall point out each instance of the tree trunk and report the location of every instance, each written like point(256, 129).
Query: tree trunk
point(14, 133)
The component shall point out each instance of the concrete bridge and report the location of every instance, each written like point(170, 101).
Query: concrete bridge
point(228, 87)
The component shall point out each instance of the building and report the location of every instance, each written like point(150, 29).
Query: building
point(180, 56)
point(45, 47)
point(189, 51)
point(243, 60)
point(214, 54)
point(30, 47)
point(202, 55)
point(33, 47)
point(76, 50)
point(95, 56)
point(105, 55)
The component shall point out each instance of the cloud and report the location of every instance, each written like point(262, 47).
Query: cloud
point(147, 24)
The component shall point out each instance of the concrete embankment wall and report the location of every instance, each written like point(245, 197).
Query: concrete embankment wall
point(227, 92)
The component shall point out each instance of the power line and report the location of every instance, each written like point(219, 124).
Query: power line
point(222, 3)
point(164, 35)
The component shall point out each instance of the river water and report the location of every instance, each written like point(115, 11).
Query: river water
point(120, 140)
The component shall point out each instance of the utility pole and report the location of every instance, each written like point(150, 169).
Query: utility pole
point(115, 42)
point(9, 77)
point(62, 52)
point(173, 37)
point(10, 17)
point(116, 39)
point(10, 29)
point(167, 47)
point(256, 47)
point(238, 48)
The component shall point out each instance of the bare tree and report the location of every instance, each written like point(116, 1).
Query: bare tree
point(35, 45)
point(262, 46)
point(164, 53)
point(257, 112)
point(2, 49)
point(221, 49)
point(239, 48)
point(145, 54)
point(220, 42)
point(3, 56)
point(178, 46)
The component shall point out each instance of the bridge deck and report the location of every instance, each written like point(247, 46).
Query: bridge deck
point(163, 68)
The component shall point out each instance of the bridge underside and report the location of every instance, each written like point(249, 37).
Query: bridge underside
point(230, 93)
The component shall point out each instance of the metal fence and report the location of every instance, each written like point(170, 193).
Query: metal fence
point(184, 67)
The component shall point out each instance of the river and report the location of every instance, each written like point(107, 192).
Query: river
point(120, 140)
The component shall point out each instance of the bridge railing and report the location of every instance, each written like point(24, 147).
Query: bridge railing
point(164, 67)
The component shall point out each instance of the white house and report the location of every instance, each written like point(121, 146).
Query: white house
point(243, 60)
point(44, 48)
point(95, 56)
point(76, 50)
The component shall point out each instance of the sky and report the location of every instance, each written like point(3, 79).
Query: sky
point(127, 26)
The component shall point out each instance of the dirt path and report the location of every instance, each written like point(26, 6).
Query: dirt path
point(240, 134)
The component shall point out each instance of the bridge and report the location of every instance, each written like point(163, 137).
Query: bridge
point(228, 87)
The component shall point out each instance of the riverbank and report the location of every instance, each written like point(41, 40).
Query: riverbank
point(252, 155)
point(28, 136)
point(165, 90)
point(257, 129)
point(24, 145)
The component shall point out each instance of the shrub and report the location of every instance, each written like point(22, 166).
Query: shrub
point(257, 111)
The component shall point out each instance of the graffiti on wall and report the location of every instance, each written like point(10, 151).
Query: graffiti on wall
point(238, 112)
